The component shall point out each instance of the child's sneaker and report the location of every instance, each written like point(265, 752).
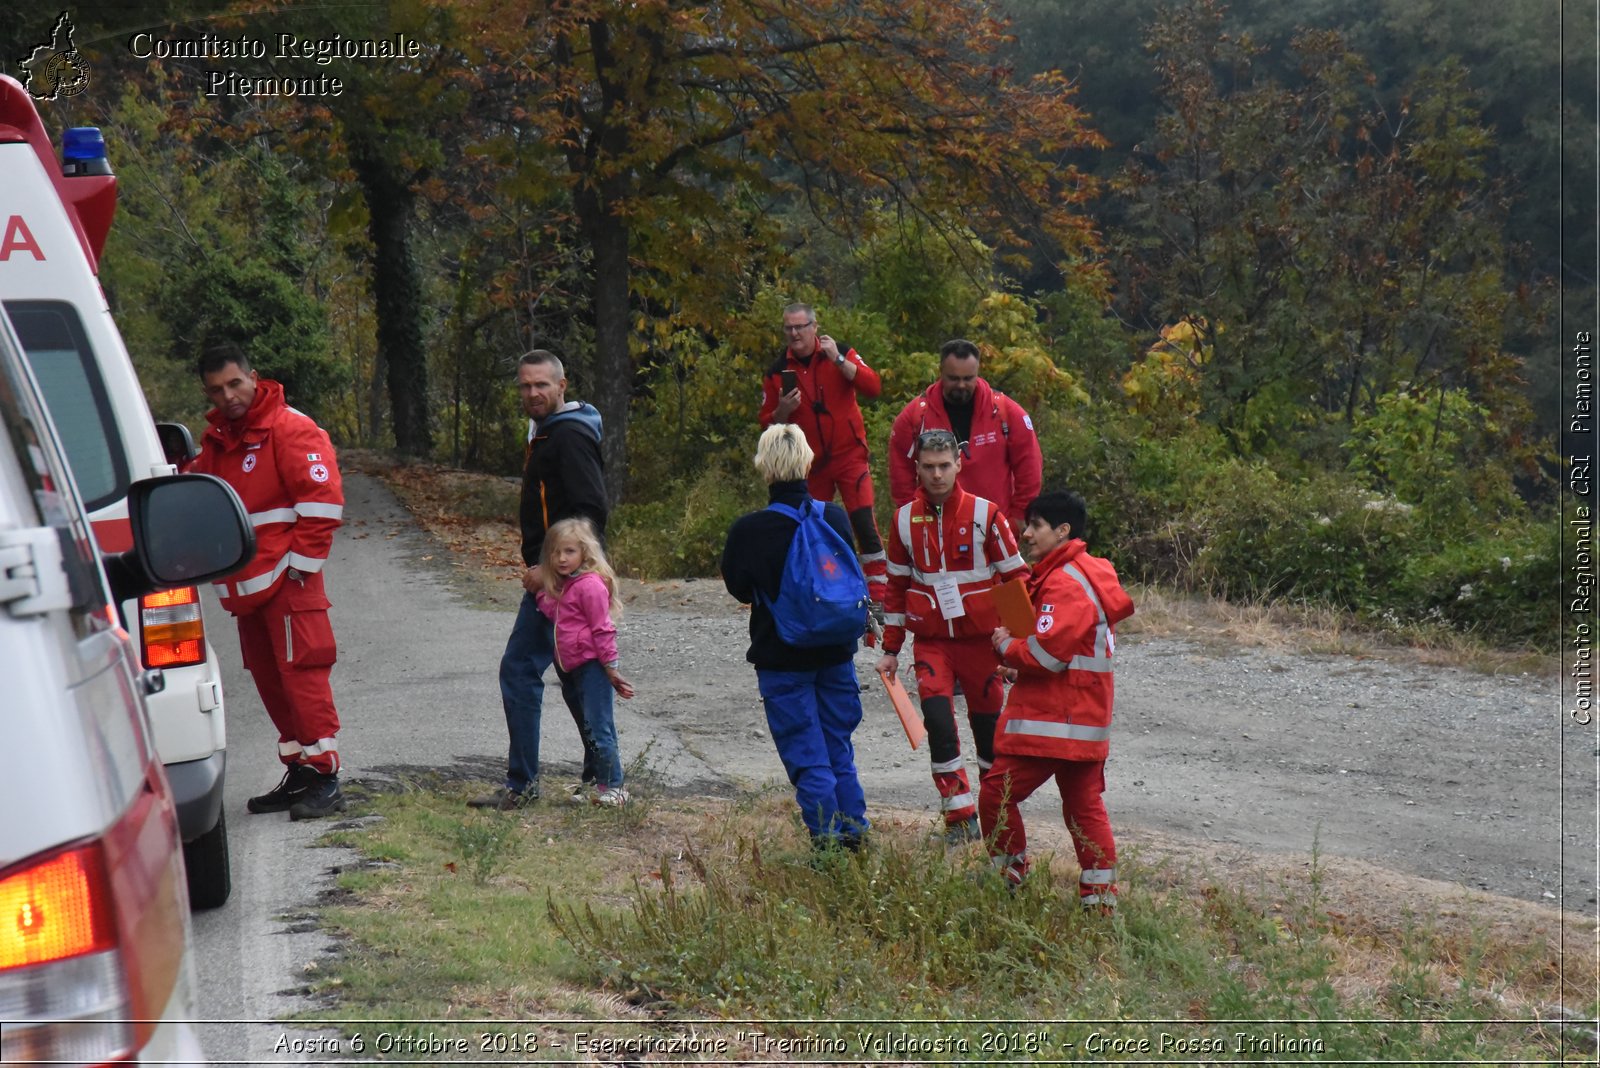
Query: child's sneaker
point(579, 793)
point(613, 797)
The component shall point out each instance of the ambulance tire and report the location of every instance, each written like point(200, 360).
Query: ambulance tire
point(206, 860)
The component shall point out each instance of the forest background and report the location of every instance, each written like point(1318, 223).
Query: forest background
point(1278, 283)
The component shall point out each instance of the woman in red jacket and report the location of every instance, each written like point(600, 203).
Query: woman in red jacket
point(1057, 718)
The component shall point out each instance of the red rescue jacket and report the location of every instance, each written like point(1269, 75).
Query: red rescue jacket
point(966, 540)
point(829, 414)
point(1002, 460)
point(282, 465)
point(1060, 706)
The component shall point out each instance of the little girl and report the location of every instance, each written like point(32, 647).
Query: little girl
point(580, 597)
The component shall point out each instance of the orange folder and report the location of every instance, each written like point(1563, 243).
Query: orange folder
point(1011, 603)
point(910, 719)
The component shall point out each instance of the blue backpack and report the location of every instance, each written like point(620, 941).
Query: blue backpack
point(823, 596)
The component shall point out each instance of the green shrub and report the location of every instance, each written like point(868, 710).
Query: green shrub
point(1138, 487)
point(1182, 511)
point(1502, 584)
point(680, 535)
point(1436, 450)
point(1322, 538)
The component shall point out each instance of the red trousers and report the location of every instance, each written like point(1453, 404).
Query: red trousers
point(1012, 779)
point(853, 479)
point(289, 650)
point(939, 663)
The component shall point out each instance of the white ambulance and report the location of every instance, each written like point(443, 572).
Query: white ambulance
point(54, 218)
point(96, 958)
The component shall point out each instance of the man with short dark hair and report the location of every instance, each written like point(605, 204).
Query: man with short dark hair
point(562, 477)
point(827, 379)
point(281, 463)
point(946, 546)
point(1000, 457)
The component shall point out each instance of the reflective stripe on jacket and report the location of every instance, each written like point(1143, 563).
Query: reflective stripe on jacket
point(966, 540)
point(283, 467)
point(1060, 706)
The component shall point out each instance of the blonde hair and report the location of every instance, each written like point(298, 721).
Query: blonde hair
point(783, 454)
point(580, 530)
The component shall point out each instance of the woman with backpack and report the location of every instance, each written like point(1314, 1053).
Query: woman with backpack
point(803, 656)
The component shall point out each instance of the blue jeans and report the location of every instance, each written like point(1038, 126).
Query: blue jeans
point(593, 690)
point(529, 651)
point(811, 715)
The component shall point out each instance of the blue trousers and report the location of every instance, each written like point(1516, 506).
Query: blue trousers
point(592, 687)
point(529, 651)
point(811, 715)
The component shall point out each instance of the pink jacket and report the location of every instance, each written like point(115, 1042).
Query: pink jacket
point(582, 616)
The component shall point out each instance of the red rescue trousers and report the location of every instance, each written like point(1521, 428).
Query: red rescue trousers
point(853, 479)
point(1012, 779)
point(939, 663)
point(289, 650)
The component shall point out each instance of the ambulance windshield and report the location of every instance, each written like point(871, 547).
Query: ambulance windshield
point(58, 351)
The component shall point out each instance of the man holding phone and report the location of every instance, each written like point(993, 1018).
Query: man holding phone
point(814, 385)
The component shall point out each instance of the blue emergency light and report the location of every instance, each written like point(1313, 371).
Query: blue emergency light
point(83, 152)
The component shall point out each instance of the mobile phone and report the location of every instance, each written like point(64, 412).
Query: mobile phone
point(791, 381)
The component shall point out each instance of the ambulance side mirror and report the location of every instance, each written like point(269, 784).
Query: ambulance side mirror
point(177, 444)
point(187, 529)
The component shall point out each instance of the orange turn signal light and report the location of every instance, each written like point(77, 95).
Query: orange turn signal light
point(55, 909)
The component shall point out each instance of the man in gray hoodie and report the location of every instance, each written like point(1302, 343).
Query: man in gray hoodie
point(562, 477)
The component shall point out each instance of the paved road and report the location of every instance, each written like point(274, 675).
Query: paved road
point(415, 685)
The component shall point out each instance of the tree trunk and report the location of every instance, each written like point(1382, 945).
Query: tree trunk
point(602, 188)
point(612, 380)
point(375, 390)
point(397, 295)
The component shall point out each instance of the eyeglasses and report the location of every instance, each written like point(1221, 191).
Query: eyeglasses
point(799, 328)
point(937, 439)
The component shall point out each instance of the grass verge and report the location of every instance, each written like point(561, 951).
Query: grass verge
point(697, 918)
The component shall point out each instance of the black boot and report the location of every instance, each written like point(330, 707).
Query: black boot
point(322, 798)
point(296, 778)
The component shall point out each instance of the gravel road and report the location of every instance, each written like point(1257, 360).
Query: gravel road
point(1440, 773)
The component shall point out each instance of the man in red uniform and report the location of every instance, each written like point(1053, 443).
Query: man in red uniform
point(1000, 458)
point(946, 545)
point(827, 378)
point(282, 466)
point(1057, 721)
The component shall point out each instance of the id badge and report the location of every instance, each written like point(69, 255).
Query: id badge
point(948, 594)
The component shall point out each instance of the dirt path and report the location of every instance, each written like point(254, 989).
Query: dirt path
point(1416, 769)
point(1433, 772)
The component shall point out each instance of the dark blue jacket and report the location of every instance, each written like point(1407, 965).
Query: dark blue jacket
point(753, 559)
